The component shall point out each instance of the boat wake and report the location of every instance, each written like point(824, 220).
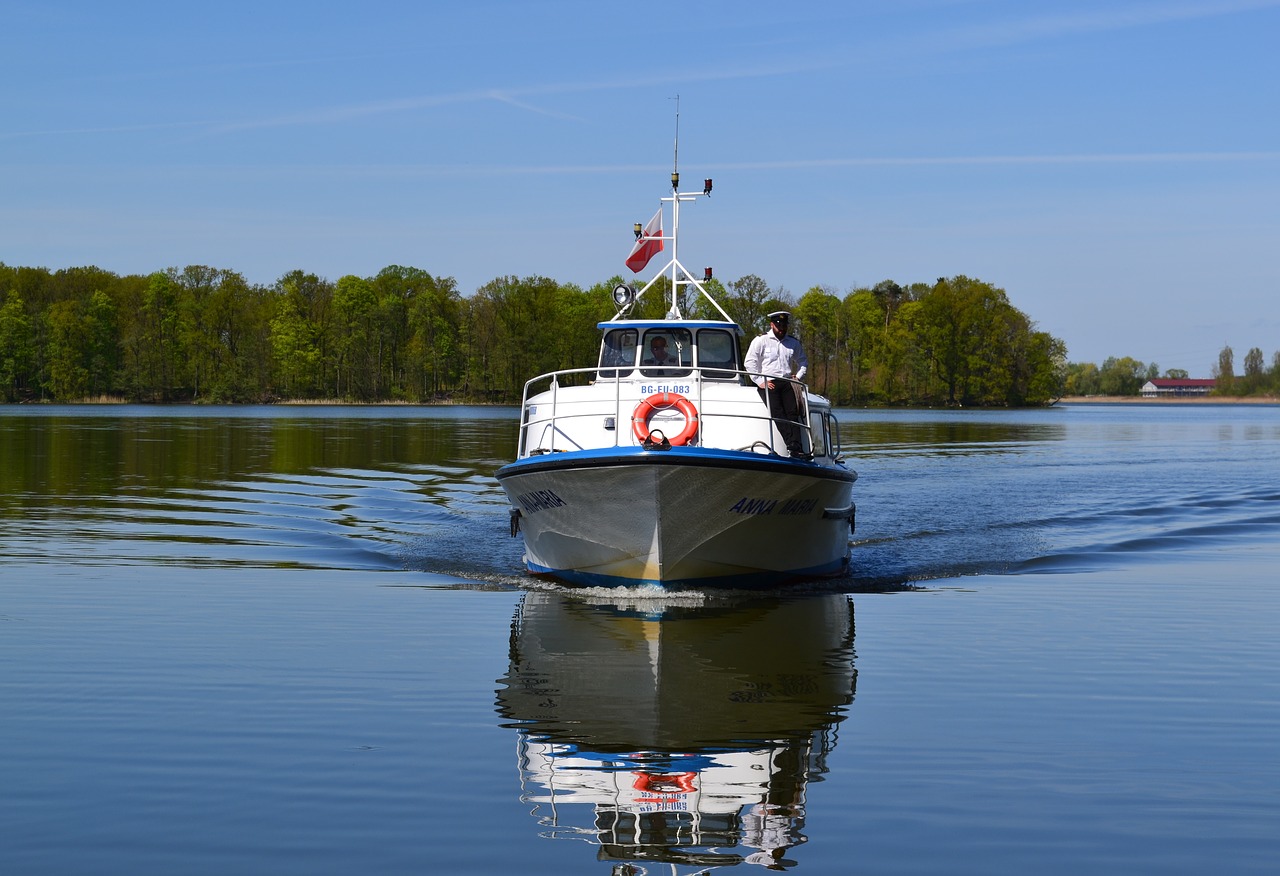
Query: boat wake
point(1080, 539)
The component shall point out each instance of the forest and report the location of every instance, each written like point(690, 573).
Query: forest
point(206, 335)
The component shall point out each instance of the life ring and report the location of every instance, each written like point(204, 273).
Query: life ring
point(660, 401)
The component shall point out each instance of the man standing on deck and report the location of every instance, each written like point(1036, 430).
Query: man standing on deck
point(776, 354)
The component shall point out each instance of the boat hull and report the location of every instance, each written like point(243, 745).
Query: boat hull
point(684, 517)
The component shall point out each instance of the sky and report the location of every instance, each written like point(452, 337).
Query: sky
point(1113, 165)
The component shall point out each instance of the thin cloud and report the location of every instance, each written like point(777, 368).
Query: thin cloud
point(1101, 21)
point(113, 129)
point(421, 171)
point(503, 97)
point(517, 97)
point(821, 163)
point(941, 160)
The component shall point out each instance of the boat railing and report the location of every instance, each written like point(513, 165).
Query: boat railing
point(558, 423)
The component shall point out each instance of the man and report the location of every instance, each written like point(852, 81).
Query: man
point(658, 353)
point(776, 354)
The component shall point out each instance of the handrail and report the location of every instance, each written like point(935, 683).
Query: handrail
point(620, 417)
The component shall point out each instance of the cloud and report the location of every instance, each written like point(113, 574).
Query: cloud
point(1111, 18)
point(941, 160)
point(520, 97)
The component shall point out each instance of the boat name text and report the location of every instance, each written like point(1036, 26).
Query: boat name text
point(747, 505)
point(539, 500)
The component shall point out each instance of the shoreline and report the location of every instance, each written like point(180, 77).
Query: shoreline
point(1183, 400)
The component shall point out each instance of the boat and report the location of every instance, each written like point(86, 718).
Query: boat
point(676, 475)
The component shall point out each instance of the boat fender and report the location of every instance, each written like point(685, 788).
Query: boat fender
point(849, 514)
point(515, 522)
point(660, 401)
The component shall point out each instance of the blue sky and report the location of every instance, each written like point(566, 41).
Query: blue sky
point(1114, 166)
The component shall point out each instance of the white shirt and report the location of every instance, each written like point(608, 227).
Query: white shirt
point(775, 357)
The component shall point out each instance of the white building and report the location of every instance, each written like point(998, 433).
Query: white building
point(1168, 387)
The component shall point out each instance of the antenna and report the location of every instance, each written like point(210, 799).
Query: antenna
point(675, 164)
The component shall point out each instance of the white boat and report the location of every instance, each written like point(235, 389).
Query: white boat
point(675, 475)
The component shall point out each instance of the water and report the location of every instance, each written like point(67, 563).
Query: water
point(298, 640)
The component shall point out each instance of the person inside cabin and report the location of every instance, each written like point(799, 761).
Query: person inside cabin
point(775, 354)
point(658, 354)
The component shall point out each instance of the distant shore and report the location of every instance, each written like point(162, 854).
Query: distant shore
point(1168, 400)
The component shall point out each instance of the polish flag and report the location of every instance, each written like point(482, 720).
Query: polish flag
point(647, 245)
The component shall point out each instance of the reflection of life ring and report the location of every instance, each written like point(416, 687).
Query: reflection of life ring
point(665, 783)
point(660, 401)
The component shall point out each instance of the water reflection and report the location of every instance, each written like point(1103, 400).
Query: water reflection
point(351, 488)
point(677, 736)
point(956, 436)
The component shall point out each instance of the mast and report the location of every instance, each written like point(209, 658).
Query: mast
point(680, 277)
point(675, 218)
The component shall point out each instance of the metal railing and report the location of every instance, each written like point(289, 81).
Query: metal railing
point(555, 425)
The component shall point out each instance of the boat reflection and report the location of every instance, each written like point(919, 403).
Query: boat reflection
point(677, 735)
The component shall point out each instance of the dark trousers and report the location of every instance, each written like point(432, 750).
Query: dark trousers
point(784, 407)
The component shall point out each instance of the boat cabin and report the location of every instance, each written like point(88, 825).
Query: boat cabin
point(660, 348)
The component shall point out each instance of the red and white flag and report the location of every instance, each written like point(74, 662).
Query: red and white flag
point(648, 244)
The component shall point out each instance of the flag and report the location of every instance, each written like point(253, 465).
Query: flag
point(648, 244)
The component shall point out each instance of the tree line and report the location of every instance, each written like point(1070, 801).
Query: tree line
point(1125, 376)
point(203, 334)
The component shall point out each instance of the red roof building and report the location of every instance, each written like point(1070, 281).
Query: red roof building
point(1163, 387)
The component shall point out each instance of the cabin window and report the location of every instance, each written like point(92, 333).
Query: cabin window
point(717, 354)
point(818, 427)
point(667, 352)
point(618, 353)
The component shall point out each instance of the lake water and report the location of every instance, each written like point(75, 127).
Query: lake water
point(299, 640)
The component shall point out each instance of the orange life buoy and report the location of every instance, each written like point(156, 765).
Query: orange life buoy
point(660, 401)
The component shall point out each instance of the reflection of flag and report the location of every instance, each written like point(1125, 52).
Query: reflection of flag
point(648, 245)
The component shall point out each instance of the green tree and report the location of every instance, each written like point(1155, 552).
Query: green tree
point(357, 339)
point(153, 355)
point(1046, 370)
point(889, 296)
point(1083, 378)
point(435, 333)
point(1224, 372)
point(102, 351)
point(965, 326)
point(863, 330)
point(302, 336)
point(520, 335)
point(68, 376)
point(16, 347)
point(296, 350)
point(698, 306)
point(1123, 376)
point(1253, 370)
point(748, 303)
point(816, 318)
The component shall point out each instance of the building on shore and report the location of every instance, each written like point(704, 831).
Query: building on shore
point(1166, 387)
